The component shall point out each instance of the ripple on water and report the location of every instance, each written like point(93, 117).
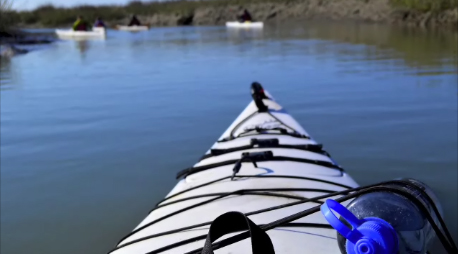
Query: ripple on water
point(95, 131)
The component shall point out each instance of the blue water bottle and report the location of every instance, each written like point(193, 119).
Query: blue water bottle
point(384, 222)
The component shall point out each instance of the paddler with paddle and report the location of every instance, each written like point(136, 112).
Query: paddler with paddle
point(134, 21)
point(80, 24)
point(99, 22)
point(245, 17)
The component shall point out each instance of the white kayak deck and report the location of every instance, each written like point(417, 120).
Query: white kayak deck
point(132, 28)
point(315, 174)
point(96, 33)
point(237, 24)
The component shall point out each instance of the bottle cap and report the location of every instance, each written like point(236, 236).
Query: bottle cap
point(368, 236)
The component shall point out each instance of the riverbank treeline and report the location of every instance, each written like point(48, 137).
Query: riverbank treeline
point(213, 12)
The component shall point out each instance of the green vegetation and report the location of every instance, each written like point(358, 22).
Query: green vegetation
point(426, 5)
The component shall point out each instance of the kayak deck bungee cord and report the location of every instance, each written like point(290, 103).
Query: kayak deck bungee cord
point(267, 167)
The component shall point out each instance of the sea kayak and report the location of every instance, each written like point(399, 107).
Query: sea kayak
point(264, 159)
point(236, 24)
point(132, 28)
point(96, 33)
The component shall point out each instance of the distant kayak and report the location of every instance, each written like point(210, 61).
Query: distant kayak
point(132, 28)
point(247, 24)
point(96, 33)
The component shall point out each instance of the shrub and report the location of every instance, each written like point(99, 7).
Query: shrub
point(427, 5)
point(29, 18)
point(6, 15)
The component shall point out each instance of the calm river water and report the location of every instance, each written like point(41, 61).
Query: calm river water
point(92, 133)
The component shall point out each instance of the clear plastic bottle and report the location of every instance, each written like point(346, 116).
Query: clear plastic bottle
point(384, 222)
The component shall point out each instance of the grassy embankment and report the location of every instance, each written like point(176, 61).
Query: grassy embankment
point(51, 16)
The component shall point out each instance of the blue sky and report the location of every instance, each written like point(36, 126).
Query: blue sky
point(31, 4)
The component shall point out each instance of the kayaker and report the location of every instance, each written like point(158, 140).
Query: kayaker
point(245, 17)
point(99, 22)
point(134, 21)
point(80, 24)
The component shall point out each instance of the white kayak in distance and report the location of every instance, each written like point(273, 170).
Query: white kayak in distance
point(132, 28)
point(246, 24)
point(95, 33)
point(264, 159)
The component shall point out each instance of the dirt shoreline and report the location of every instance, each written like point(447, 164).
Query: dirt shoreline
point(378, 11)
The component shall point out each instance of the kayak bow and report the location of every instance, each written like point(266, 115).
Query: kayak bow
point(263, 162)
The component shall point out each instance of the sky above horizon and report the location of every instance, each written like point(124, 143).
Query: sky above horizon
point(32, 4)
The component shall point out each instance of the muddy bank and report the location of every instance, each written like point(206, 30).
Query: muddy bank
point(11, 39)
point(24, 38)
point(361, 10)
